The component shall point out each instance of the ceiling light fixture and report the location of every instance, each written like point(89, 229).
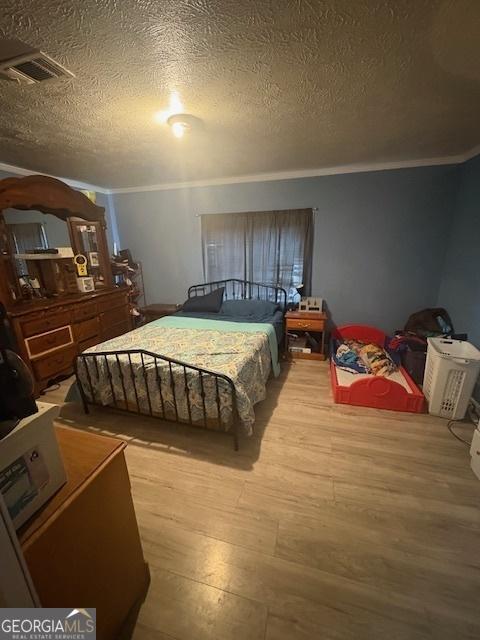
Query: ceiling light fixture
point(182, 123)
point(174, 106)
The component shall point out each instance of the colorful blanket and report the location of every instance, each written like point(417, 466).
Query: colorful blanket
point(359, 357)
point(244, 352)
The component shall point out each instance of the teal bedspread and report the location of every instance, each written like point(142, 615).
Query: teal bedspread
point(226, 327)
point(245, 352)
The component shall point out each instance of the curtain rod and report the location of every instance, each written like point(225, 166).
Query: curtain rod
point(199, 215)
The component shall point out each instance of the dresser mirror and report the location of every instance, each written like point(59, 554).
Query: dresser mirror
point(43, 224)
point(88, 239)
point(32, 232)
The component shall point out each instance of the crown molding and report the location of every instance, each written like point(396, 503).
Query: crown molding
point(76, 184)
point(262, 177)
point(305, 173)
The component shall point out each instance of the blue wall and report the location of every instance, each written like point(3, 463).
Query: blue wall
point(460, 287)
point(380, 237)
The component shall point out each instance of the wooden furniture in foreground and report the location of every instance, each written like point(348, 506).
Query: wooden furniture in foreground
point(156, 311)
point(50, 333)
point(313, 322)
point(83, 547)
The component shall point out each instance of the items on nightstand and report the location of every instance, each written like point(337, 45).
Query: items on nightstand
point(311, 303)
point(305, 334)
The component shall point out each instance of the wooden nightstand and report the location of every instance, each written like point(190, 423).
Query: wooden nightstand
point(156, 311)
point(312, 322)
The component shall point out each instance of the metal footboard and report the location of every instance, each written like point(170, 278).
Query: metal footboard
point(146, 383)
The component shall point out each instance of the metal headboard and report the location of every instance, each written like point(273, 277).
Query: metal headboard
point(236, 289)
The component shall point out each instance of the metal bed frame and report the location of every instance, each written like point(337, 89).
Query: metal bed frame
point(235, 289)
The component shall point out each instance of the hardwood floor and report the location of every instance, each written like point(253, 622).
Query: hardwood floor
point(333, 522)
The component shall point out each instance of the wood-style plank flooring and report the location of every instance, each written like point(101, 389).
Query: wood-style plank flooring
point(333, 522)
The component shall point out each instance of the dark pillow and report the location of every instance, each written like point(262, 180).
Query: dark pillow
point(249, 308)
point(211, 303)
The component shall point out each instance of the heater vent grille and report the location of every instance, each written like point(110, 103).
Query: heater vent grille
point(32, 68)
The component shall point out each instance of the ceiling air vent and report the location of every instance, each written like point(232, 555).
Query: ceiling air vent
point(33, 67)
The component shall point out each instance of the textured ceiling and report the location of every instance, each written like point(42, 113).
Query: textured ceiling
point(280, 85)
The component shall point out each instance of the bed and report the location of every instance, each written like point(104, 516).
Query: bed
point(397, 392)
point(200, 368)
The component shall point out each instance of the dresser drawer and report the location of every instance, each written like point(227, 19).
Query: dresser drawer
point(116, 330)
point(86, 329)
point(54, 364)
point(112, 301)
point(86, 344)
point(114, 316)
point(85, 311)
point(306, 325)
point(45, 323)
point(49, 341)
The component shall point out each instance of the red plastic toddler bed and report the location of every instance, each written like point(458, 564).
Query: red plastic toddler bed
point(397, 392)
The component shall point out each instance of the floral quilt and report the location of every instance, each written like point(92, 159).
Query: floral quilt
point(143, 382)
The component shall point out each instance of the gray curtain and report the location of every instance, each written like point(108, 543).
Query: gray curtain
point(271, 247)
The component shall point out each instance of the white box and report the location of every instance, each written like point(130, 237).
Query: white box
point(64, 252)
point(31, 467)
point(475, 453)
point(85, 284)
point(311, 303)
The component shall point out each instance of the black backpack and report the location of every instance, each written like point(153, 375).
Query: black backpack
point(429, 322)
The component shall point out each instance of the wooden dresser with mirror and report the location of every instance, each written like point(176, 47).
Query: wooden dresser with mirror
point(52, 318)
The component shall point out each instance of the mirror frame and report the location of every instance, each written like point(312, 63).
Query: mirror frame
point(47, 195)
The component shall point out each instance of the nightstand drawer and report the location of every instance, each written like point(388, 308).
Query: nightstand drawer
point(306, 325)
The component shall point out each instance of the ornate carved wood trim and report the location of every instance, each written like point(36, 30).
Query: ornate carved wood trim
point(48, 195)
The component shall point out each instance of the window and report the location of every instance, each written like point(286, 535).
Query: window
point(271, 247)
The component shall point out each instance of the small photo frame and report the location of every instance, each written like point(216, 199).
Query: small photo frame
point(93, 259)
